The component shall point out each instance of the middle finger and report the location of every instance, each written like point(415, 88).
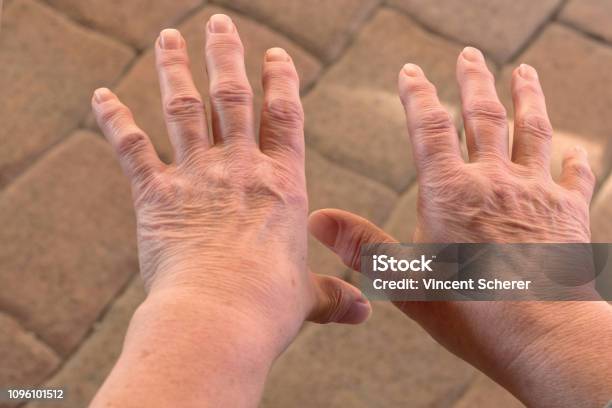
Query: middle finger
point(486, 124)
point(231, 95)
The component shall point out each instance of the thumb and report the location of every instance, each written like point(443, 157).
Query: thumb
point(338, 301)
point(344, 233)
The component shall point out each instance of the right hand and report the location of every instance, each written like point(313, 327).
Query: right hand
point(493, 198)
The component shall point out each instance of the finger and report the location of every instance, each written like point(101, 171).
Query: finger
point(132, 146)
point(182, 103)
point(282, 116)
point(345, 233)
point(435, 143)
point(532, 128)
point(576, 174)
point(231, 95)
point(486, 124)
point(338, 301)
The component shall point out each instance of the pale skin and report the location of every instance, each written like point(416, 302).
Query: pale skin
point(222, 233)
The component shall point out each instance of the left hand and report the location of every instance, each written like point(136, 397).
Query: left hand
point(223, 228)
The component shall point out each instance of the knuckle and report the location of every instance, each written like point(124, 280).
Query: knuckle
point(350, 252)
point(295, 196)
point(536, 125)
point(131, 143)
point(477, 72)
point(280, 73)
point(582, 171)
point(486, 110)
point(337, 303)
point(434, 121)
point(286, 112)
point(111, 113)
point(184, 106)
point(172, 59)
point(220, 46)
point(232, 93)
point(420, 88)
point(528, 88)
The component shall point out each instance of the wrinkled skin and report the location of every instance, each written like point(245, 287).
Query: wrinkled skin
point(497, 196)
point(493, 201)
point(225, 223)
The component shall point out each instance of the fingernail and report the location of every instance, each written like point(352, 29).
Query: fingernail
point(472, 54)
point(276, 54)
point(527, 71)
point(170, 39)
point(325, 229)
point(103, 95)
point(357, 312)
point(411, 70)
point(220, 23)
point(359, 296)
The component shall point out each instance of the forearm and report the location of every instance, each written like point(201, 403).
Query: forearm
point(185, 350)
point(568, 365)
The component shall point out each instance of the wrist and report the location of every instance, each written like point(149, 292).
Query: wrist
point(198, 320)
point(247, 299)
point(181, 348)
point(547, 367)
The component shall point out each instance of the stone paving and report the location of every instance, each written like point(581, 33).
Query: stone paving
point(68, 265)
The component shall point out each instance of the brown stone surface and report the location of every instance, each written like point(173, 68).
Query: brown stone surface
point(319, 25)
point(68, 240)
point(68, 252)
point(498, 27)
point(402, 221)
point(573, 71)
point(592, 16)
point(354, 115)
point(484, 392)
point(139, 89)
point(387, 362)
point(49, 67)
point(86, 370)
point(331, 186)
point(26, 361)
point(136, 22)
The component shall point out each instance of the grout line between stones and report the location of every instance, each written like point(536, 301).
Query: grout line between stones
point(552, 16)
point(430, 30)
point(82, 123)
point(30, 332)
point(34, 159)
point(258, 19)
point(327, 65)
point(464, 390)
point(139, 53)
point(82, 25)
point(590, 35)
point(92, 328)
point(348, 44)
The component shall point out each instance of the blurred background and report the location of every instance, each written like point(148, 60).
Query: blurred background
point(68, 265)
